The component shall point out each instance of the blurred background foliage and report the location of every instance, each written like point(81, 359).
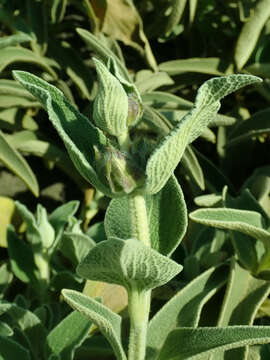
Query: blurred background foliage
point(168, 48)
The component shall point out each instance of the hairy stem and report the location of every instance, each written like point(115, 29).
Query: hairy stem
point(138, 307)
point(139, 220)
point(139, 300)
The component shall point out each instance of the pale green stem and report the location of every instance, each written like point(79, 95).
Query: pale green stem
point(139, 220)
point(138, 308)
point(139, 301)
point(44, 272)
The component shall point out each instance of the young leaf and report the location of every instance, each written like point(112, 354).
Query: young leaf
point(60, 217)
point(128, 263)
point(34, 235)
point(250, 32)
point(205, 341)
point(108, 322)
point(16, 163)
point(167, 218)
point(68, 335)
point(183, 309)
point(168, 153)
point(77, 133)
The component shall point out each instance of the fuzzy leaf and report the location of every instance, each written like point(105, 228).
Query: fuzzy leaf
point(128, 263)
point(244, 296)
point(166, 212)
point(16, 163)
point(183, 309)
point(168, 153)
point(103, 52)
point(12, 54)
point(108, 322)
point(244, 221)
point(77, 133)
point(256, 125)
point(205, 341)
point(250, 32)
point(29, 324)
point(68, 335)
point(212, 66)
point(192, 167)
point(14, 39)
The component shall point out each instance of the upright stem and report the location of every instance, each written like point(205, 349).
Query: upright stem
point(138, 307)
point(139, 300)
point(139, 219)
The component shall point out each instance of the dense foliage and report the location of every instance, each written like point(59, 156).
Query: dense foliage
point(99, 104)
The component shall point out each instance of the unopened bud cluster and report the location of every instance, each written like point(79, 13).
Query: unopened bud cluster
point(117, 108)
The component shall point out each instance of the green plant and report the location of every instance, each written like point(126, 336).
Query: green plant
point(137, 173)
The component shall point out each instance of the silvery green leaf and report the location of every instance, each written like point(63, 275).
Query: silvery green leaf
point(192, 167)
point(256, 125)
point(244, 221)
point(208, 200)
point(68, 335)
point(111, 103)
point(164, 100)
point(184, 309)
point(250, 32)
point(243, 297)
point(205, 341)
point(153, 81)
point(209, 65)
point(14, 39)
point(76, 131)
point(102, 51)
point(33, 233)
point(128, 263)
point(76, 246)
point(29, 324)
point(167, 217)
point(11, 54)
point(169, 151)
point(60, 217)
point(107, 321)
point(14, 161)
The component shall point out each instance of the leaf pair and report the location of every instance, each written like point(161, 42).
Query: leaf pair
point(81, 138)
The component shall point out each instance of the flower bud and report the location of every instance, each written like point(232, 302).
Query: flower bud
point(118, 170)
point(135, 108)
point(111, 103)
